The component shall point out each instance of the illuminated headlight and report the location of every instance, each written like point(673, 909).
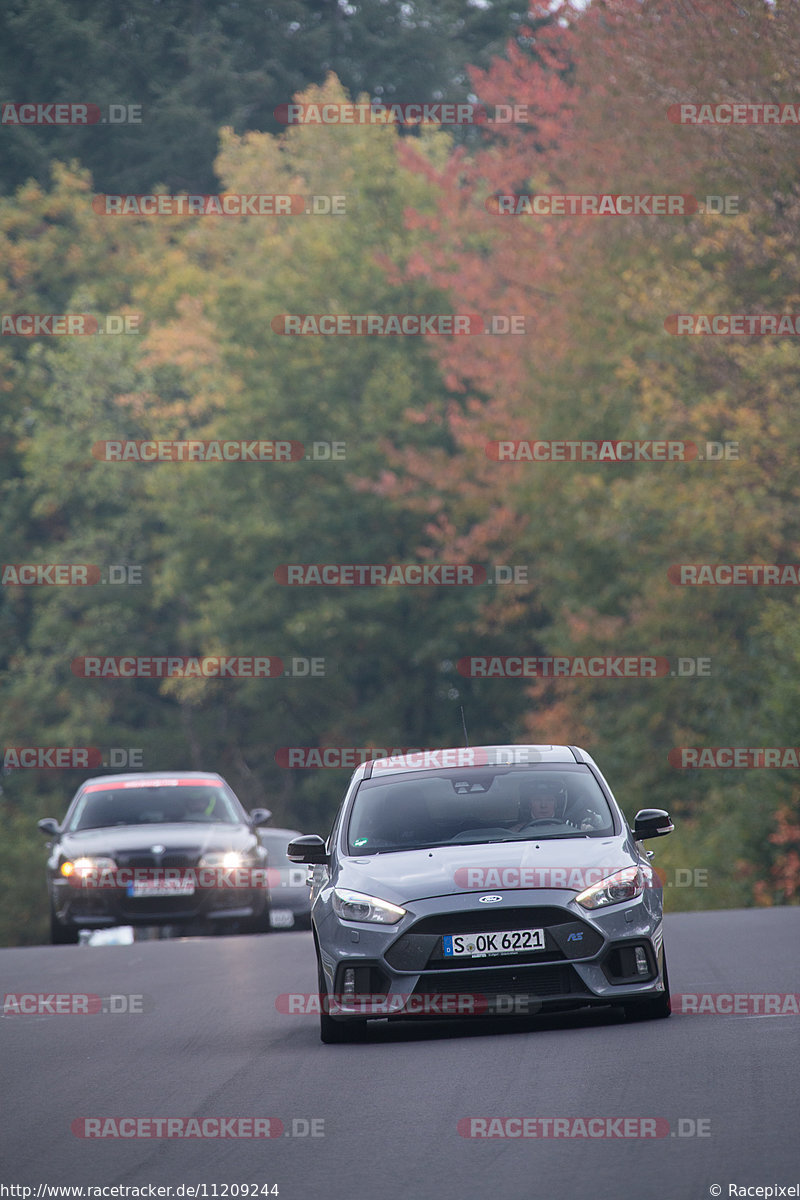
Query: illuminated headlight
point(229, 860)
point(355, 906)
point(624, 885)
point(82, 867)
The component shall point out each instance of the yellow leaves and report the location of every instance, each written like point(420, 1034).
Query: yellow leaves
point(184, 341)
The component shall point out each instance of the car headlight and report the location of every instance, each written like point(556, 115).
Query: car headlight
point(355, 906)
point(623, 885)
point(82, 867)
point(229, 860)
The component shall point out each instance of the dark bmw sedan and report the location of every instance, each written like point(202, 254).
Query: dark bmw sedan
point(499, 880)
point(175, 848)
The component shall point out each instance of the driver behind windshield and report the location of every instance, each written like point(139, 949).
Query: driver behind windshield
point(541, 800)
point(544, 802)
point(199, 807)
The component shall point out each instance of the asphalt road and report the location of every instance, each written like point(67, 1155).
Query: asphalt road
point(211, 1042)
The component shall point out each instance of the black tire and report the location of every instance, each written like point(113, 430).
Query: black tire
point(259, 924)
point(62, 935)
point(651, 1010)
point(336, 1033)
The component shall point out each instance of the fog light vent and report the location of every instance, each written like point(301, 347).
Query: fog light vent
point(349, 982)
point(641, 962)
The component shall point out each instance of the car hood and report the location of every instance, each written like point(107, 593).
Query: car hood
point(122, 839)
point(407, 875)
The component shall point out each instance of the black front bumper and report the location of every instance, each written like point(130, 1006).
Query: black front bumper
point(96, 909)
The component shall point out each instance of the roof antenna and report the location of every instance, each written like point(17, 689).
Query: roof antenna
point(464, 726)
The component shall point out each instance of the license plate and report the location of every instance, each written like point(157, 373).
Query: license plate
point(481, 945)
point(281, 918)
point(141, 889)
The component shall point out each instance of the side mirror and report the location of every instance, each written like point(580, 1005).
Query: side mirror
point(260, 816)
point(310, 848)
point(650, 823)
point(49, 826)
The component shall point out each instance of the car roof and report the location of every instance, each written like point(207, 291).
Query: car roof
point(473, 756)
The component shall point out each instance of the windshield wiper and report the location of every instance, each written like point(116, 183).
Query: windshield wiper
point(367, 851)
point(481, 842)
point(552, 837)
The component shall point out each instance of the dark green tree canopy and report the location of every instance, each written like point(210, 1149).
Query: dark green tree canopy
point(194, 66)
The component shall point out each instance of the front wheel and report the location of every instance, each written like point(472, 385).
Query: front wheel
point(62, 935)
point(651, 1010)
point(258, 924)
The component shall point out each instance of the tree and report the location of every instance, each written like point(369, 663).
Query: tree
point(599, 363)
point(189, 68)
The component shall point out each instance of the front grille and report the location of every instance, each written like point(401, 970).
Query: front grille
point(480, 920)
point(159, 906)
point(233, 898)
point(541, 982)
point(567, 937)
point(529, 957)
point(88, 905)
point(144, 860)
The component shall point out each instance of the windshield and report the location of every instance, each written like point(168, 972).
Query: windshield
point(487, 804)
point(158, 805)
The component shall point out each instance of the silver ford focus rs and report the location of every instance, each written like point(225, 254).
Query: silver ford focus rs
point(493, 880)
